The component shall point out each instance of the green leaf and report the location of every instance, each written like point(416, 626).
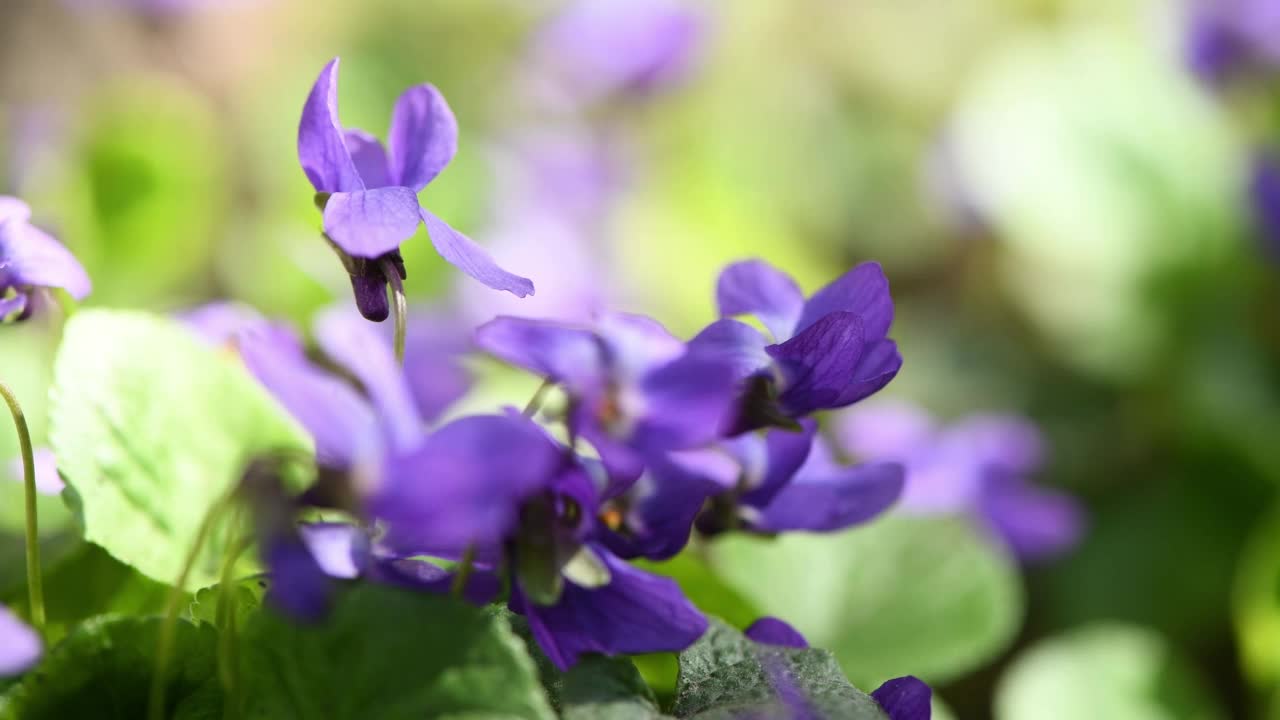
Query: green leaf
point(143, 198)
point(1103, 672)
point(602, 687)
point(88, 582)
point(1257, 605)
point(245, 597)
point(151, 428)
point(725, 675)
point(389, 653)
point(929, 597)
point(103, 670)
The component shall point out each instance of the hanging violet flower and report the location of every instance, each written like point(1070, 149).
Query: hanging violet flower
point(978, 465)
point(778, 481)
point(31, 260)
point(369, 194)
point(829, 351)
point(20, 646)
point(634, 388)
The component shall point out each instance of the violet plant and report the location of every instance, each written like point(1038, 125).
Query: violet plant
point(313, 514)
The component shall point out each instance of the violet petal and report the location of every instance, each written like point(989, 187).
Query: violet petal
point(370, 223)
point(322, 149)
point(463, 253)
point(754, 287)
point(423, 137)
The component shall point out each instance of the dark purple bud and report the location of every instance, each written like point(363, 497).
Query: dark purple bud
point(905, 698)
point(772, 631)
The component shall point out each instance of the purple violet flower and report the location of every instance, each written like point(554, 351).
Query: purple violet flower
point(905, 698)
point(20, 646)
point(30, 260)
point(634, 612)
point(978, 465)
point(344, 425)
point(829, 351)
point(635, 389)
point(369, 194)
point(778, 481)
point(353, 425)
point(464, 485)
point(497, 487)
point(1225, 37)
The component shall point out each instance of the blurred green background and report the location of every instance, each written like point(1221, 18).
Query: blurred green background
point(1059, 203)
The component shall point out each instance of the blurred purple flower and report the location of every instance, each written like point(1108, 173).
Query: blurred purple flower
point(346, 428)
point(369, 193)
point(978, 465)
point(829, 351)
point(464, 485)
point(554, 191)
point(1264, 199)
point(20, 646)
point(351, 431)
point(435, 345)
point(571, 277)
point(30, 259)
point(598, 48)
point(772, 631)
point(636, 389)
point(48, 481)
point(1224, 37)
point(905, 698)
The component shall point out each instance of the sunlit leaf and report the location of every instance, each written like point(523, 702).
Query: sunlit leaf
point(1103, 672)
point(151, 429)
point(930, 597)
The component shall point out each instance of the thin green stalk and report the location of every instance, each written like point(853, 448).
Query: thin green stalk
point(539, 395)
point(463, 572)
point(35, 581)
point(164, 646)
point(399, 306)
point(228, 666)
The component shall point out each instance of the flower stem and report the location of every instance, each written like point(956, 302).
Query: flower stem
point(228, 664)
point(399, 307)
point(35, 581)
point(164, 646)
point(463, 572)
point(539, 395)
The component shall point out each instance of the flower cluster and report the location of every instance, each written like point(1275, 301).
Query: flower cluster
point(636, 442)
point(651, 439)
